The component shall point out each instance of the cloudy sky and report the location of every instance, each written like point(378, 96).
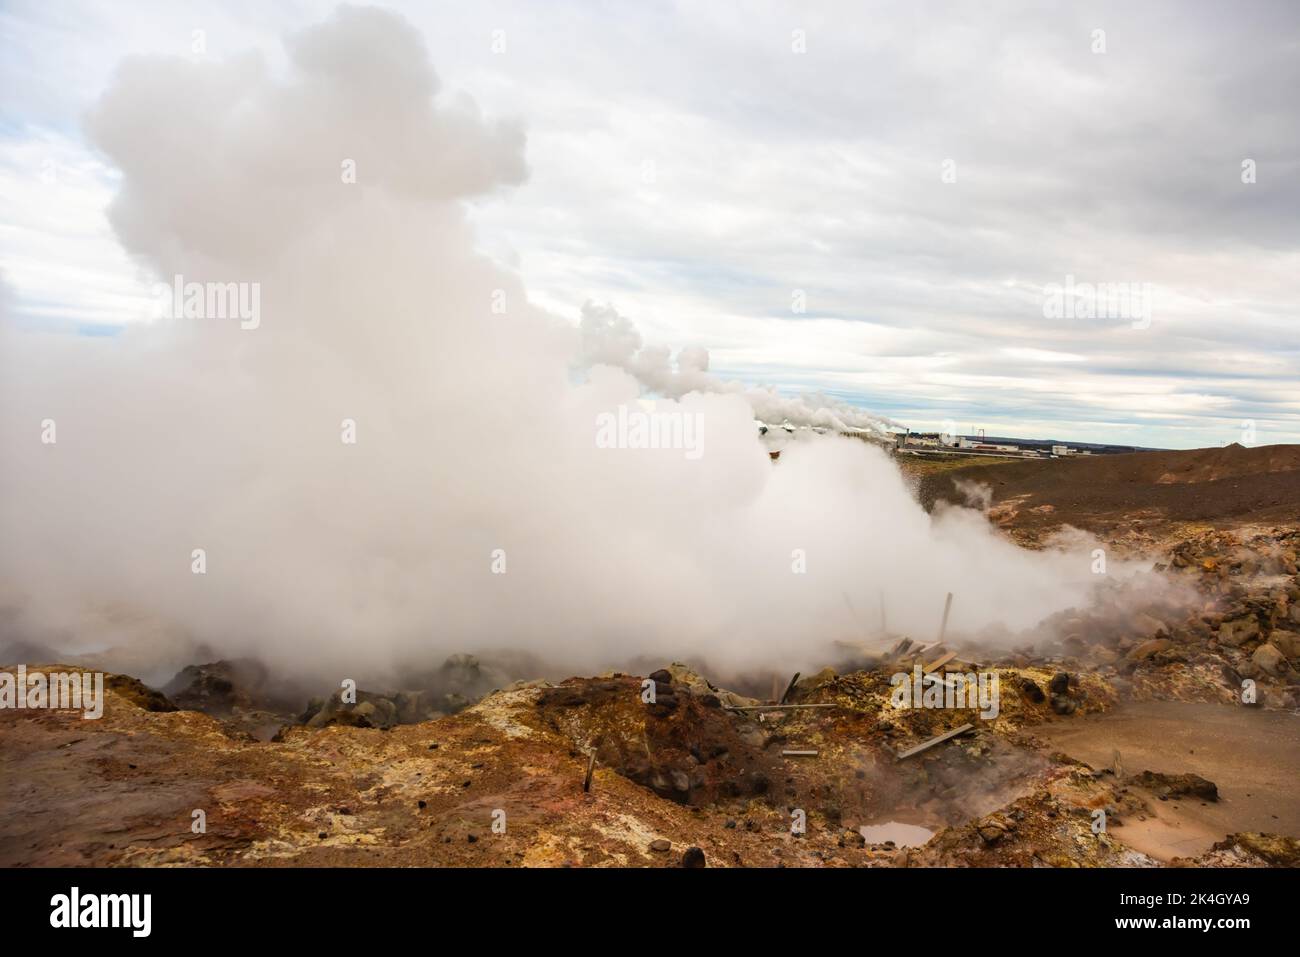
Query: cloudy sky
point(871, 201)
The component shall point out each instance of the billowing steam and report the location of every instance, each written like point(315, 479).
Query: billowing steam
point(476, 508)
point(611, 339)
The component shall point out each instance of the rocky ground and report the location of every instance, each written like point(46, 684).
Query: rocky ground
point(586, 772)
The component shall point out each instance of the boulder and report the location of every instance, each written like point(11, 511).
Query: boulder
point(219, 687)
point(687, 681)
point(1148, 626)
point(805, 686)
point(370, 711)
point(1029, 688)
point(1149, 649)
point(413, 707)
point(1236, 633)
point(1269, 660)
point(1063, 704)
point(852, 839)
point(1287, 642)
point(1177, 785)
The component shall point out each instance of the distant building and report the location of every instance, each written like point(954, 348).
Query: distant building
point(978, 445)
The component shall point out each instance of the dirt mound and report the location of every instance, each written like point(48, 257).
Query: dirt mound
point(683, 747)
point(1221, 485)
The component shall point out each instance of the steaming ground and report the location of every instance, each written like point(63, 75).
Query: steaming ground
point(475, 428)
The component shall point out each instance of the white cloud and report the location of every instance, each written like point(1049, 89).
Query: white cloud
point(688, 168)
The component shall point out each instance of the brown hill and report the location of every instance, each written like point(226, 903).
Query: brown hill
point(1229, 485)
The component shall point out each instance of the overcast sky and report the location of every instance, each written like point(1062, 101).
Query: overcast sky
point(872, 201)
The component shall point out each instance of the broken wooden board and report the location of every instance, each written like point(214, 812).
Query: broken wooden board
point(927, 745)
point(773, 707)
point(940, 662)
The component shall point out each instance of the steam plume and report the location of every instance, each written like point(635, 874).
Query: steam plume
point(472, 438)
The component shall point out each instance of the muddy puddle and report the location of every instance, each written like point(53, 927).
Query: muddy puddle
point(896, 833)
point(1252, 755)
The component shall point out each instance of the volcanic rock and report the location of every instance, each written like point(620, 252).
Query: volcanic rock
point(1269, 660)
point(694, 857)
point(1064, 704)
point(1287, 642)
point(1029, 688)
point(1237, 633)
point(1149, 649)
point(1177, 785)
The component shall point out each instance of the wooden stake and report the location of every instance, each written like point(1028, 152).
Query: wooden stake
point(947, 607)
point(591, 767)
point(926, 745)
point(790, 687)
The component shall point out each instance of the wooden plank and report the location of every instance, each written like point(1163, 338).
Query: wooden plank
point(939, 662)
point(799, 754)
point(773, 707)
point(927, 745)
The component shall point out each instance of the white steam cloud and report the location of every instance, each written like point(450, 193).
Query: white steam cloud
point(611, 339)
point(473, 441)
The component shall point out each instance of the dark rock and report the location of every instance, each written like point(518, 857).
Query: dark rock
point(1063, 704)
point(1029, 688)
point(694, 857)
point(1060, 683)
point(1177, 785)
point(852, 839)
point(371, 710)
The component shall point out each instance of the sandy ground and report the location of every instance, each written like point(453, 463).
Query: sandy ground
point(1252, 755)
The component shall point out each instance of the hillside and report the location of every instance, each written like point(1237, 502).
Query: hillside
point(1220, 486)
